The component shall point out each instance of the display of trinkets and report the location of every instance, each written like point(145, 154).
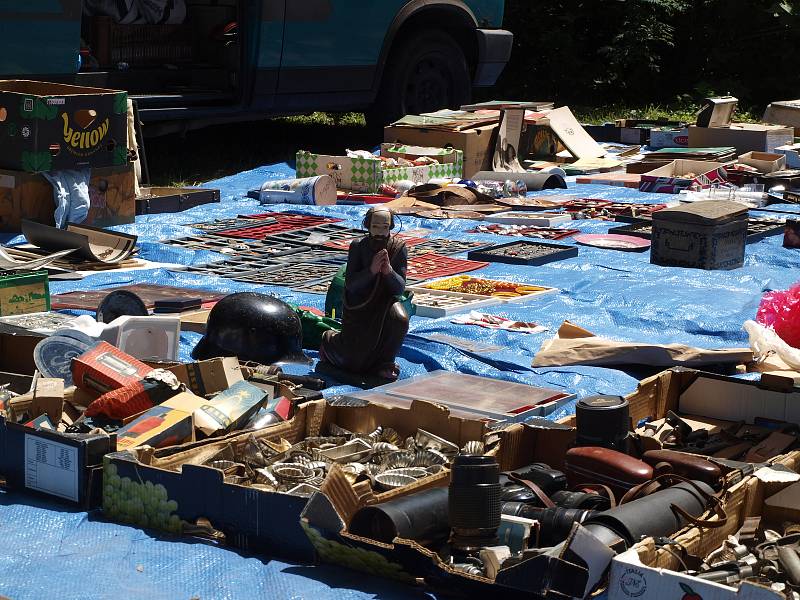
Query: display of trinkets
point(430, 266)
point(441, 303)
point(504, 290)
point(292, 275)
point(233, 223)
point(524, 253)
point(760, 227)
point(319, 287)
point(320, 235)
point(41, 322)
point(381, 457)
point(445, 247)
point(223, 245)
point(757, 228)
point(281, 223)
point(547, 233)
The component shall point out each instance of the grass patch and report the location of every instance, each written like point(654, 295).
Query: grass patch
point(676, 112)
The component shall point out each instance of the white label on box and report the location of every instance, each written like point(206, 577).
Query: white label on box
point(51, 467)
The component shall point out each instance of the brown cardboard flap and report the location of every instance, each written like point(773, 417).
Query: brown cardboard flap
point(341, 494)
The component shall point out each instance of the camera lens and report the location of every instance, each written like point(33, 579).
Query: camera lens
point(554, 523)
point(474, 502)
point(581, 500)
point(602, 421)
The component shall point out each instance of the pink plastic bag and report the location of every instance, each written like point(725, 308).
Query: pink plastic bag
point(780, 310)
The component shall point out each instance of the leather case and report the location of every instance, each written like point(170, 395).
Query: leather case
point(686, 465)
point(618, 471)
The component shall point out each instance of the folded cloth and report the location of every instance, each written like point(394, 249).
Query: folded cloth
point(71, 195)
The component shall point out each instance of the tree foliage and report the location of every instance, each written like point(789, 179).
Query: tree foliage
point(594, 52)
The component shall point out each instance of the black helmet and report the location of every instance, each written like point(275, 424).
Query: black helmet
point(254, 327)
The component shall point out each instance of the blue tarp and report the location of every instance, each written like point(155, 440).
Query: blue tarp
point(46, 552)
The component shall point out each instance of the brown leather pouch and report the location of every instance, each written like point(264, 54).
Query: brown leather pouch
point(686, 465)
point(616, 470)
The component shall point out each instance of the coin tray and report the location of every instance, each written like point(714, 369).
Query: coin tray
point(430, 266)
point(439, 303)
point(281, 223)
point(642, 229)
point(537, 219)
point(524, 253)
point(232, 223)
point(586, 204)
point(319, 287)
point(445, 247)
point(330, 231)
point(760, 227)
point(293, 275)
point(546, 233)
point(231, 247)
point(344, 244)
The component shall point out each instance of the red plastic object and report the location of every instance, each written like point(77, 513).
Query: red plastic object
point(430, 266)
point(780, 310)
point(285, 222)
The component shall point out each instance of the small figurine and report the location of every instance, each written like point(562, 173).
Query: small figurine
point(374, 322)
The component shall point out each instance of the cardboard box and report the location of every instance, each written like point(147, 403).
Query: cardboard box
point(477, 143)
point(765, 162)
point(105, 368)
point(784, 112)
point(30, 196)
point(253, 519)
point(231, 409)
point(706, 235)
point(16, 349)
point(681, 175)
point(666, 137)
point(327, 516)
point(649, 571)
point(157, 200)
point(168, 424)
point(792, 154)
point(208, 377)
point(24, 292)
point(745, 137)
point(54, 127)
point(367, 174)
point(49, 463)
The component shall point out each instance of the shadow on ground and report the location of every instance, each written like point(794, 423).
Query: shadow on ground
point(222, 150)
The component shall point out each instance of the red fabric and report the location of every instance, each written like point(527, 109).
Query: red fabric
point(121, 403)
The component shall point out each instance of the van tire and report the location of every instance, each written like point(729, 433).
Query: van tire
point(425, 72)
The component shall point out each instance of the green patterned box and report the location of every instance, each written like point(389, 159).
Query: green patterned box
point(366, 174)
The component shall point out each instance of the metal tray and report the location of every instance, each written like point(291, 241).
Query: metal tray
point(528, 253)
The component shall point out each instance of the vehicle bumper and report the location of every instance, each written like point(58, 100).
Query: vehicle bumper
point(494, 52)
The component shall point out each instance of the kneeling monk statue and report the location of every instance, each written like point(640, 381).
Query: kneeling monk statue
point(374, 322)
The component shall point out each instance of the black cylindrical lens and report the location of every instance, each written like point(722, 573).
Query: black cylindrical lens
point(474, 502)
point(602, 421)
point(583, 500)
point(554, 523)
point(421, 517)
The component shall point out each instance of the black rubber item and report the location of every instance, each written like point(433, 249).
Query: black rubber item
point(474, 502)
point(582, 500)
point(120, 303)
point(549, 480)
point(254, 327)
point(426, 71)
point(650, 515)
point(554, 523)
point(602, 421)
point(421, 517)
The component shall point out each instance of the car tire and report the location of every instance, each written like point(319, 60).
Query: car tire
point(425, 72)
